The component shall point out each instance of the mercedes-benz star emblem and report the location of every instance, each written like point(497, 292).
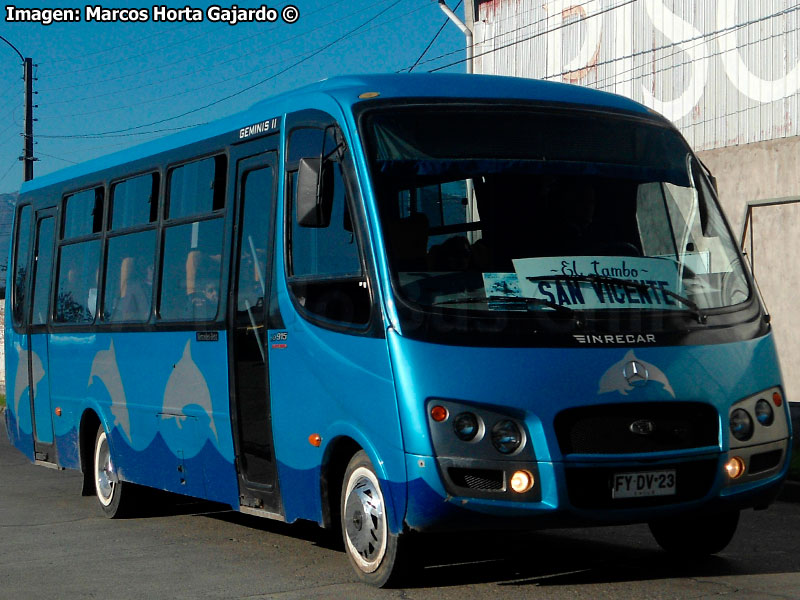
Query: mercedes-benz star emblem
point(642, 427)
point(635, 373)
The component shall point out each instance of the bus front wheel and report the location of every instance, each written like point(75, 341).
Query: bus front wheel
point(112, 494)
point(371, 548)
point(695, 535)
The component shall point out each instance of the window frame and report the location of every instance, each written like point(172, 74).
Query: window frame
point(108, 228)
point(21, 323)
point(222, 181)
point(219, 174)
point(62, 242)
point(109, 233)
point(38, 217)
point(371, 327)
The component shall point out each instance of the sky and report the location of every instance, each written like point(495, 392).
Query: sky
point(106, 86)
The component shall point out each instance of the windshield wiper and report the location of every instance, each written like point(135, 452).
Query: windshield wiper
point(527, 303)
point(638, 285)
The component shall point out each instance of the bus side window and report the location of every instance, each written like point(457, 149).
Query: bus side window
point(21, 263)
point(191, 268)
point(79, 257)
point(76, 300)
point(325, 272)
point(42, 271)
point(130, 255)
point(191, 271)
point(129, 277)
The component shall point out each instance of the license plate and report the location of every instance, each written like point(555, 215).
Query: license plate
point(643, 484)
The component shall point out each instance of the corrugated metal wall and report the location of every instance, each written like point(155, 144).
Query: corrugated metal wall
point(726, 72)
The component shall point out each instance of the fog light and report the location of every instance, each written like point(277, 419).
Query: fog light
point(438, 413)
point(734, 467)
point(521, 481)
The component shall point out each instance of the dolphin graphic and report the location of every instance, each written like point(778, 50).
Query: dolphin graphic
point(614, 379)
point(186, 385)
point(21, 379)
point(106, 369)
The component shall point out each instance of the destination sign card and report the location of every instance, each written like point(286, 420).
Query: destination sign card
point(589, 282)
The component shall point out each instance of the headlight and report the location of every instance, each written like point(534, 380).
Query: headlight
point(466, 426)
point(741, 425)
point(506, 436)
point(764, 413)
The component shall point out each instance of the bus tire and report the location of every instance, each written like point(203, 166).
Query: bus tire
point(371, 548)
point(113, 495)
point(694, 535)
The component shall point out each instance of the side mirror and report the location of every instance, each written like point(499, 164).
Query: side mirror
point(314, 192)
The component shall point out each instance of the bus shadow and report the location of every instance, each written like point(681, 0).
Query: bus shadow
point(301, 530)
point(550, 559)
point(151, 503)
point(554, 558)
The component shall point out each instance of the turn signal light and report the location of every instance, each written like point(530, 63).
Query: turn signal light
point(439, 413)
point(315, 440)
point(777, 399)
point(521, 481)
point(734, 467)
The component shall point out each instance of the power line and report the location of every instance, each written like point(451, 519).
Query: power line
point(13, 164)
point(428, 47)
point(91, 136)
point(194, 57)
point(684, 63)
point(210, 67)
point(72, 162)
point(131, 57)
point(510, 31)
point(712, 35)
point(229, 96)
point(12, 119)
point(539, 34)
point(137, 41)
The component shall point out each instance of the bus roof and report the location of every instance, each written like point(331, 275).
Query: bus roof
point(346, 90)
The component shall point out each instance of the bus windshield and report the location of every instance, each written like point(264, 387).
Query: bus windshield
point(507, 209)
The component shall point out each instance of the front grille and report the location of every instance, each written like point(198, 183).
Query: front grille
point(477, 479)
point(590, 487)
point(765, 461)
point(661, 426)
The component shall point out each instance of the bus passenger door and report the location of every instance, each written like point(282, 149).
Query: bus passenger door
point(38, 372)
point(256, 188)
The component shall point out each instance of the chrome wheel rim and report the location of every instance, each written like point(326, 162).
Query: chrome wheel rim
point(105, 479)
point(365, 520)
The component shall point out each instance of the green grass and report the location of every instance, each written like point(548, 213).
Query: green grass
point(2, 400)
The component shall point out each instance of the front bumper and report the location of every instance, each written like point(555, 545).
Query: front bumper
point(577, 492)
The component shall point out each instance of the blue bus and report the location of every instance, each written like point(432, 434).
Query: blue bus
point(398, 304)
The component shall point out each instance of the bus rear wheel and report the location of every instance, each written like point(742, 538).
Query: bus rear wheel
point(113, 495)
point(371, 548)
point(694, 535)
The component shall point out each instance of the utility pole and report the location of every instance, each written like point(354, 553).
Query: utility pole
point(27, 157)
